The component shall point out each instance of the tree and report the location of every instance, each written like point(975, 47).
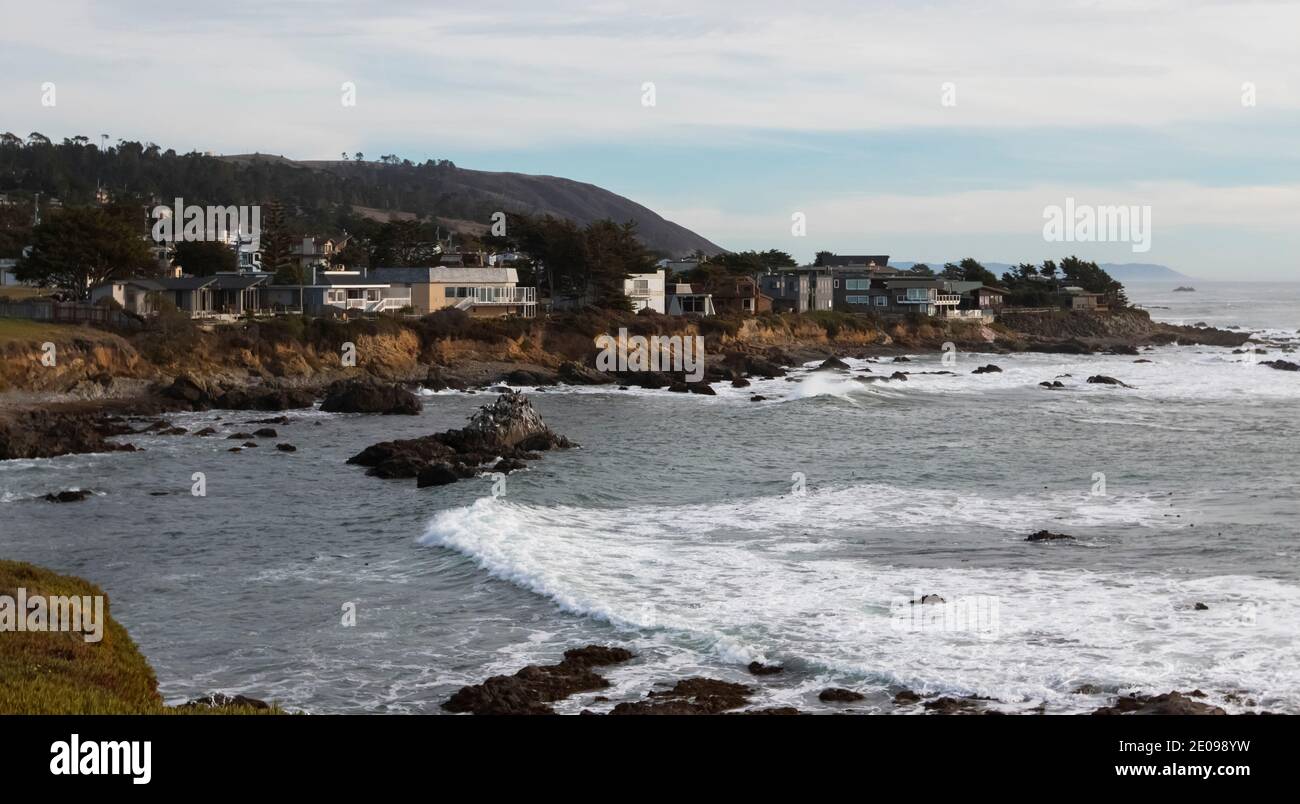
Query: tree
point(15, 230)
point(80, 247)
point(972, 271)
point(205, 257)
point(277, 246)
point(822, 257)
point(1092, 278)
point(922, 269)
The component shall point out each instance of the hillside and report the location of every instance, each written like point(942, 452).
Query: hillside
point(460, 193)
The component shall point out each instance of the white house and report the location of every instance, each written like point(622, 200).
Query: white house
point(645, 291)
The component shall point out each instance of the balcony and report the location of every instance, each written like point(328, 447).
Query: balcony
point(942, 300)
point(525, 298)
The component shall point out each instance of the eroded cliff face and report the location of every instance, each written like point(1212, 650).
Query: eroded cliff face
point(71, 362)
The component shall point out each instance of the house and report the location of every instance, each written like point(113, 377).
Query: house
point(315, 252)
point(681, 299)
point(646, 291)
point(239, 293)
point(927, 296)
point(977, 297)
point(480, 291)
point(192, 294)
point(338, 292)
point(1076, 298)
point(799, 290)
point(138, 296)
point(739, 295)
point(7, 267)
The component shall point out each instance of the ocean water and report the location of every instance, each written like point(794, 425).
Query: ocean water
point(708, 532)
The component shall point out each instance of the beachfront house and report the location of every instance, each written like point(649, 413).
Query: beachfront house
point(799, 290)
point(491, 291)
point(337, 292)
point(682, 299)
point(739, 295)
point(646, 291)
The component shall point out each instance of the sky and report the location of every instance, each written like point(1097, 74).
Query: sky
point(926, 131)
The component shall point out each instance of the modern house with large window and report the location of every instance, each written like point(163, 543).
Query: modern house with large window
point(682, 299)
point(646, 291)
point(492, 291)
point(932, 296)
point(799, 290)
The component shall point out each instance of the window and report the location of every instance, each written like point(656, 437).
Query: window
point(747, 304)
point(858, 299)
point(846, 283)
point(857, 284)
point(882, 301)
point(641, 286)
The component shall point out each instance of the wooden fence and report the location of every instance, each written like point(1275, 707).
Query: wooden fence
point(67, 313)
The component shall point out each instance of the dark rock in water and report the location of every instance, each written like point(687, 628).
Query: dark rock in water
point(47, 434)
point(757, 398)
point(1142, 360)
point(239, 436)
point(286, 447)
point(532, 378)
point(1171, 703)
point(498, 389)
point(950, 706)
point(647, 379)
point(775, 710)
point(1122, 349)
point(702, 388)
point(1201, 607)
point(902, 359)
point(220, 700)
point(1281, 365)
point(760, 669)
point(739, 382)
point(927, 599)
point(508, 465)
point(436, 380)
point(898, 375)
point(272, 420)
point(679, 388)
point(989, 369)
point(436, 474)
point(755, 365)
point(692, 696)
point(369, 396)
point(839, 695)
point(266, 432)
point(906, 697)
point(508, 428)
point(235, 449)
point(1087, 689)
point(197, 395)
point(1046, 536)
point(247, 444)
point(1102, 379)
point(831, 364)
point(206, 431)
point(576, 374)
point(1052, 384)
point(70, 495)
point(532, 689)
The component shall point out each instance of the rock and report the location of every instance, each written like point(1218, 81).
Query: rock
point(272, 420)
point(1052, 384)
point(1122, 349)
point(692, 696)
point(436, 474)
point(898, 375)
point(206, 431)
point(1281, 365)
point(220, 700)
point(532, 689)
point(758, 398)
point(266, 432)
point(70, 495)
point(1142, 360)
point(48, 434)
point(435, 380)
point(1171, 703)
point(905, 698)
point(1046, 536)
point(1201, 607)
point(509, 420)
point(239, 436)
point(1087, 689)
point(989, 369)
point(286, 447)
point(577, 374)
point(369, 396)
point(902, 359)
point(702, 388)
point(839, 695)
point(924, 600)
point(760, 669)
point(508, 465)
point(235, 449)
point(950, 706)
point(1101, 379)
point(531, 378)
point(248, 444)
point(679, 388)
point(832, 364)
point(739, 382)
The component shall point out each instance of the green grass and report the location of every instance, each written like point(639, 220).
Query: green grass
point(46, 673)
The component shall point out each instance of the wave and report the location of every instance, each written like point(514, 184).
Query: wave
point(718, 579)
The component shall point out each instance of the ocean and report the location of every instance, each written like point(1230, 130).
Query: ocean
point(708, 532)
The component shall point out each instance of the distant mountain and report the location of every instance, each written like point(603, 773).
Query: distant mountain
point(458, 195)
point(1121, 272)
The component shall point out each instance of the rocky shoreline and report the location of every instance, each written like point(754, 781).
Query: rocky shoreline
point(534, 690)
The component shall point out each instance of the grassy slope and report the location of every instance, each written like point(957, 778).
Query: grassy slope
point(60, 673)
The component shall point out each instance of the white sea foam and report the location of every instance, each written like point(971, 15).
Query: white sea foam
point(715, 578)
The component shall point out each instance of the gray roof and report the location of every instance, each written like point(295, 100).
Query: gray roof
point(239, 281)
point(187, 282)
point(147, 284)
point(447, 274)
point(863, 260)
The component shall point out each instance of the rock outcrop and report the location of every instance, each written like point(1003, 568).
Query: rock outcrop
point(509, 428)
point(369, 396)
point(531, 690)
